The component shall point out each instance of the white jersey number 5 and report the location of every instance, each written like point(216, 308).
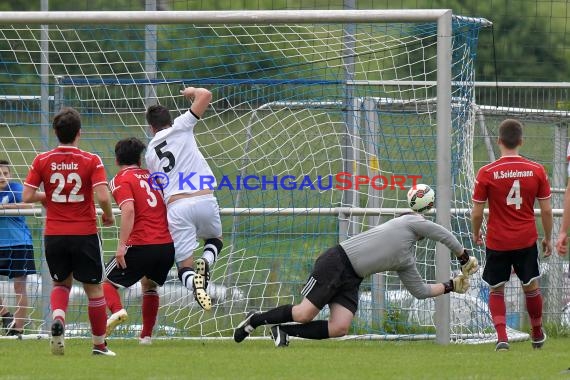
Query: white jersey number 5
point(514, 197)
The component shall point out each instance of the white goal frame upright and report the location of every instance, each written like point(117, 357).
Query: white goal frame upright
point(443, 17)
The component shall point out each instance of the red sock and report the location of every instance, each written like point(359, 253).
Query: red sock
point(59, 299)
point(112, 297)
point(150, 304)
point(498, 313)
point(534, 308)
point(98, 319)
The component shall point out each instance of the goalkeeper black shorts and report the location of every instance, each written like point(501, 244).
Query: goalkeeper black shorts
point(333, 280)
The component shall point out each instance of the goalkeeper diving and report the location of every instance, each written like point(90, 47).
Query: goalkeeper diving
point(339, 271)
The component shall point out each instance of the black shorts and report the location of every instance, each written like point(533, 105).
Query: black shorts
point(333, 280)
point(152, 261)
point(77, 254)
point(17, 261)
point(498, 265)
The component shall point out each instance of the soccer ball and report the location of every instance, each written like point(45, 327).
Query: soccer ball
point(421, 198)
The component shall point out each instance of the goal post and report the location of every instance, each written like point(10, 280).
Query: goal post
point(278, 78)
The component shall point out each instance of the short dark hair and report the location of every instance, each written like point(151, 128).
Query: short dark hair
point(128, 151)
point(511, 133)
point(66, 123)
point(4, 163)
point(158, 117)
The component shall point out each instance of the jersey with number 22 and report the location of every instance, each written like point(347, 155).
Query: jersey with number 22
point(511, 184)
point(69, 175)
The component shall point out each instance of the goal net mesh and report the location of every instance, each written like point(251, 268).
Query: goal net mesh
point(304, 119)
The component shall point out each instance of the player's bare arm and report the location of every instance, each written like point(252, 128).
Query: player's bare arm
point(477, 222)
point(200, 98)
point(127, 223)
point(562, 242)
point(104, 201)
point(32, 195)
point(546, 216)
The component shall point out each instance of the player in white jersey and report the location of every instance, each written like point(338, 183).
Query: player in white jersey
point(178, 168)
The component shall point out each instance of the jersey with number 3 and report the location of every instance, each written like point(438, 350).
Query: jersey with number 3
point(131, 184)
point(173, 152)
point(511, 184)
point(69, 175)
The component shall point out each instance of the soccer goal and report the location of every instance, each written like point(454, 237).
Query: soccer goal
point(320, 122)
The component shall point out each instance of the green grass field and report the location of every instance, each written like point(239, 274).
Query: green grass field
point(258, 359)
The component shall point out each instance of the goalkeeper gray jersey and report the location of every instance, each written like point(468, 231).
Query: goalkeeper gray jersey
point(389, 246)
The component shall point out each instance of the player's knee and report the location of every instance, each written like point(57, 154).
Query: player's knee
point(338, 329)
point(302, 315)
point(20, 288)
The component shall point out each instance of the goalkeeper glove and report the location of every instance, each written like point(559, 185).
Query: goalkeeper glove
point(469, 264)
point(460, 283)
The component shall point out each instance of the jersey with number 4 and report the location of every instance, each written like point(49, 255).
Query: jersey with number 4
point(131, 184)
point(69, 175)
point(173, 155)
point(511, 184)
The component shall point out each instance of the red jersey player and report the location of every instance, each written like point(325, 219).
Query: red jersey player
point(145, 249)
point(72, 247)
point(511, 185)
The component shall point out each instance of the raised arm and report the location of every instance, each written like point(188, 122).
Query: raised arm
point(434, 231)
point(425, 228)
point(200, 98)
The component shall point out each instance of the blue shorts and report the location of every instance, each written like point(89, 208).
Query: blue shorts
point(17, 261)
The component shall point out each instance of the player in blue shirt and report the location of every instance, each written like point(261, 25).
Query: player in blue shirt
point(16, 251)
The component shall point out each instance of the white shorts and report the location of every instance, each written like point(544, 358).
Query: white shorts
point(190, 219)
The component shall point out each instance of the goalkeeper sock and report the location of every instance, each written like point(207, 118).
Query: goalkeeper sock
point(211, 249)
point(311, 330)
point(498, 313)
point(186, 276)
point(534, 308)
point(280, 314)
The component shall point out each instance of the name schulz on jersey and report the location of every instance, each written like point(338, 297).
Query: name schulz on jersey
point(64, 166)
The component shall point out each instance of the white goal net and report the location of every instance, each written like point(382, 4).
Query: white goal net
point(315, 132)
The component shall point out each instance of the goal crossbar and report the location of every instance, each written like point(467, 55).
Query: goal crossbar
point(223, 17)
